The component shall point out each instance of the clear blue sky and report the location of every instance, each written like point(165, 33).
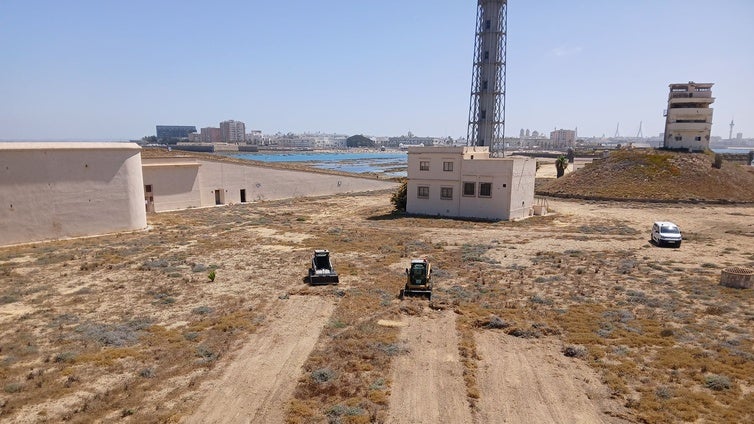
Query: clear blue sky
point(107, 70)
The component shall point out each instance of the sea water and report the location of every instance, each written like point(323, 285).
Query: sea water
point(354, 162)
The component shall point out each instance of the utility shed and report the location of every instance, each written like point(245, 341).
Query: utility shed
point(53, 190)
point(466, 182)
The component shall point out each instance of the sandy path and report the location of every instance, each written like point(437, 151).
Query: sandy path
point(428, 382)
point(530, 381)
point(256, 386)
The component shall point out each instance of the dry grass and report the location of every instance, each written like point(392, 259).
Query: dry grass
point(130, 324)
point(655, 175)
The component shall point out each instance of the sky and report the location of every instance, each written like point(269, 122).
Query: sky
point(112, 70)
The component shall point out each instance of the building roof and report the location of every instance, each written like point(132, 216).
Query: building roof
point(67, 145)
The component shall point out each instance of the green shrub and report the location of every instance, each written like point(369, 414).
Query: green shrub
point(717, 382)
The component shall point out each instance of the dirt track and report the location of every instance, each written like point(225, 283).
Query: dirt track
point(531, 381)
point(257, 384)
point(428, 382)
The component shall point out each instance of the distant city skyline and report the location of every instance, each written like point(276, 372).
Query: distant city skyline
point(89, 70)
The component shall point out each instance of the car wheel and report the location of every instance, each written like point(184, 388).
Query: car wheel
point(678, 245)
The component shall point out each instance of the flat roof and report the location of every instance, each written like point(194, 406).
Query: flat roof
point(67, 145)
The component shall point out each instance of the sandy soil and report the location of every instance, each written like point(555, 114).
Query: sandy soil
point(55, 367)
point(531, 381)
point(257, 383)
point(428, 382)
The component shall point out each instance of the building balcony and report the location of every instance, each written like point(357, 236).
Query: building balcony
point(674, 127)
point(690, 94)
point(689, 113)
point(687, 99)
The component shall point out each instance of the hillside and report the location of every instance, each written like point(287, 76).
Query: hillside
point(656, 176)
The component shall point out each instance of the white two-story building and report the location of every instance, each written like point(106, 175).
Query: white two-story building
point(466, 182)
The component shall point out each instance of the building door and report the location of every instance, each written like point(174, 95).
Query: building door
point(218, 197)
point(148, 198)
point(243, 195)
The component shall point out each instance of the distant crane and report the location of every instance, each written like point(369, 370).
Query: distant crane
point(617, 130)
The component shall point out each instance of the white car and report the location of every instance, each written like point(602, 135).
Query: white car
point(666, 233)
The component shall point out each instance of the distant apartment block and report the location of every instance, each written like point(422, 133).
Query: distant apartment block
point(688, 119)
point(233, 131)
point(211, 135)
point(174, 132)
point(562, 138)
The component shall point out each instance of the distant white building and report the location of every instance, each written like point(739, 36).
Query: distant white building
point(465, 182)
point(688, 119)
point(60, 190)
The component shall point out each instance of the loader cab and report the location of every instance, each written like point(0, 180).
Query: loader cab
point(418, 273)
point(418, 279)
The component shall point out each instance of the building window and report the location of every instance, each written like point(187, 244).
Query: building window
point(485, 189)
point(469, 189)
point(486, 55)
point(424, 165)
point(487, 24)
point(148, 188)
point(446, 193)
point(447, 166)
point(422, 192)
point(678, 138)
point(698, 138)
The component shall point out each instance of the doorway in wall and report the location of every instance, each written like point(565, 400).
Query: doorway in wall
point(219, 196)
point(148, 198)
point(243, 195)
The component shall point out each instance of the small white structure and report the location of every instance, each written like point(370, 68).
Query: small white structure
point(59, 190)
point(465, 182)
point(172, 183)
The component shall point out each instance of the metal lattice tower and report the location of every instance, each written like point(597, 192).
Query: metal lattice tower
point(487, 106)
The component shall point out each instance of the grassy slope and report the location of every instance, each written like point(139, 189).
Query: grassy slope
point(656, 175)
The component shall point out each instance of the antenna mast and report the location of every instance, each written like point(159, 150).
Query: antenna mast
point(730, 135)
point(487, 105)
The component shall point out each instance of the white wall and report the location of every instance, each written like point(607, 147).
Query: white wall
point(524, 171)
point(178, 185)
point(59, 190)
point(175, 183)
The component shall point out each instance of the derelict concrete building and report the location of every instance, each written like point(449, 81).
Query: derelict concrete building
point(59, 190)
point(688, 118)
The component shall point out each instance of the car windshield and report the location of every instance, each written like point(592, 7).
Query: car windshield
point(670, 230)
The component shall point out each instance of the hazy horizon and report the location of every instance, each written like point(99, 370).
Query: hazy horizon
point(88, 70)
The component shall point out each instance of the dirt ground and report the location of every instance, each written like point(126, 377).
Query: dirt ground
point(531, 381)
point(206, 318)
point(261, 376)
point(427, 381)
